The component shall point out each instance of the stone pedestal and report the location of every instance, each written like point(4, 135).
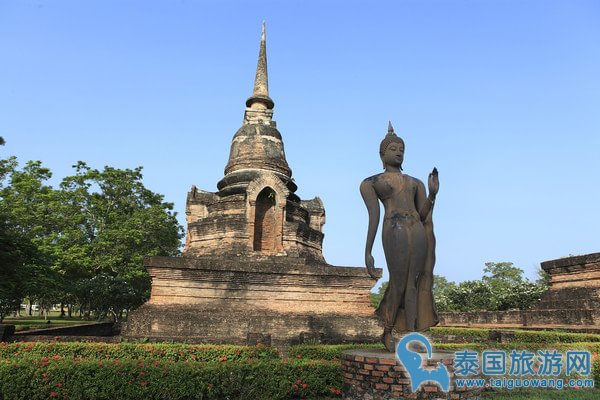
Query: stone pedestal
point(376, 375)
point(272, 300)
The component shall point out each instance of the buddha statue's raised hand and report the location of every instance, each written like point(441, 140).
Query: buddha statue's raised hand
point(433, 183)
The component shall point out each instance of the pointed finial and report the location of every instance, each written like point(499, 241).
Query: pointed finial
point(260, 94)
point(390, 128)
point(259, 106)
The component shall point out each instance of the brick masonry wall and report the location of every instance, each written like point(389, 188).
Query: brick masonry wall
point(232, 300)
point(573, 299)
point(376, 375)
point(198, 324)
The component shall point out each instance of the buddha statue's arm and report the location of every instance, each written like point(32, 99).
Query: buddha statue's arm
point(425, 204)
point(372, 202)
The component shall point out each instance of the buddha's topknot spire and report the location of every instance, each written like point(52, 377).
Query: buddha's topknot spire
point(390, 128)
point(260, 95)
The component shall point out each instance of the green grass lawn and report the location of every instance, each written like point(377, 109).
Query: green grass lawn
point(36, 322)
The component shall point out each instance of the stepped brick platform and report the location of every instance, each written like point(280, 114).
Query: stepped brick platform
point(376, 375)
point(573, 300)
point(245, 300)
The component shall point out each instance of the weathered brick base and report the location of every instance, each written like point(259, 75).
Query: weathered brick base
point(376, 375)
point(236, 300)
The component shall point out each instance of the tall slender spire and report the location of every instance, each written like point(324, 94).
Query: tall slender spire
point(260, 95)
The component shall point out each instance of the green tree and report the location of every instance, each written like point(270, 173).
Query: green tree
point(10, 257)
point(470, 296)
point(441, 289)
point(26, 211)
point(83, 243)
point(376, 297)
point(10, 262)
point(111, 222)
point(502, 287)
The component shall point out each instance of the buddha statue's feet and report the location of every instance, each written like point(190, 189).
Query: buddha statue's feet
point(388, 341)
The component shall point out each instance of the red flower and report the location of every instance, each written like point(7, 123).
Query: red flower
point(53, 394)
point(143, 383)
point(44, 374)
point(304, 386)
point(222, 358)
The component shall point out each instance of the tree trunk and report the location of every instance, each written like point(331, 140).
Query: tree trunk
point(69, 310)
point(29, 307)
point(62, 310)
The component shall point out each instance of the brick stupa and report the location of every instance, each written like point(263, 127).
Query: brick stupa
point(253, 267)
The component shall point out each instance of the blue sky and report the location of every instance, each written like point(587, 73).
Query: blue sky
point(502, 96)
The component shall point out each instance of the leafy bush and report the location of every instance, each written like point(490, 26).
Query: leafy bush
point(156, 351)
point(521, 336)
point(475, 333)
point(554, 336)
point(501, 288)
point(135, 379)
point(530, 346)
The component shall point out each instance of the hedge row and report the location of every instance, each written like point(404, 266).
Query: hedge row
point(157, 351)
point(592, 347)
point(475, 333)
point(334, 352)
point(522, 336)
point(130, 379)
point(554, 337)
point(214, 353)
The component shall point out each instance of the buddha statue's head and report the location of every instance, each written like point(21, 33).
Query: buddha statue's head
point(387, 152)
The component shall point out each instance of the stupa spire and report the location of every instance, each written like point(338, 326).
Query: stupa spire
point(260, 95)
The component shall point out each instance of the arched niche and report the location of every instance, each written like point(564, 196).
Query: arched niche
point(265, 222)
point(266, 198)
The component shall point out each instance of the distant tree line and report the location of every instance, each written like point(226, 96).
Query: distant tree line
point(82, 244)
point(502, 287)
